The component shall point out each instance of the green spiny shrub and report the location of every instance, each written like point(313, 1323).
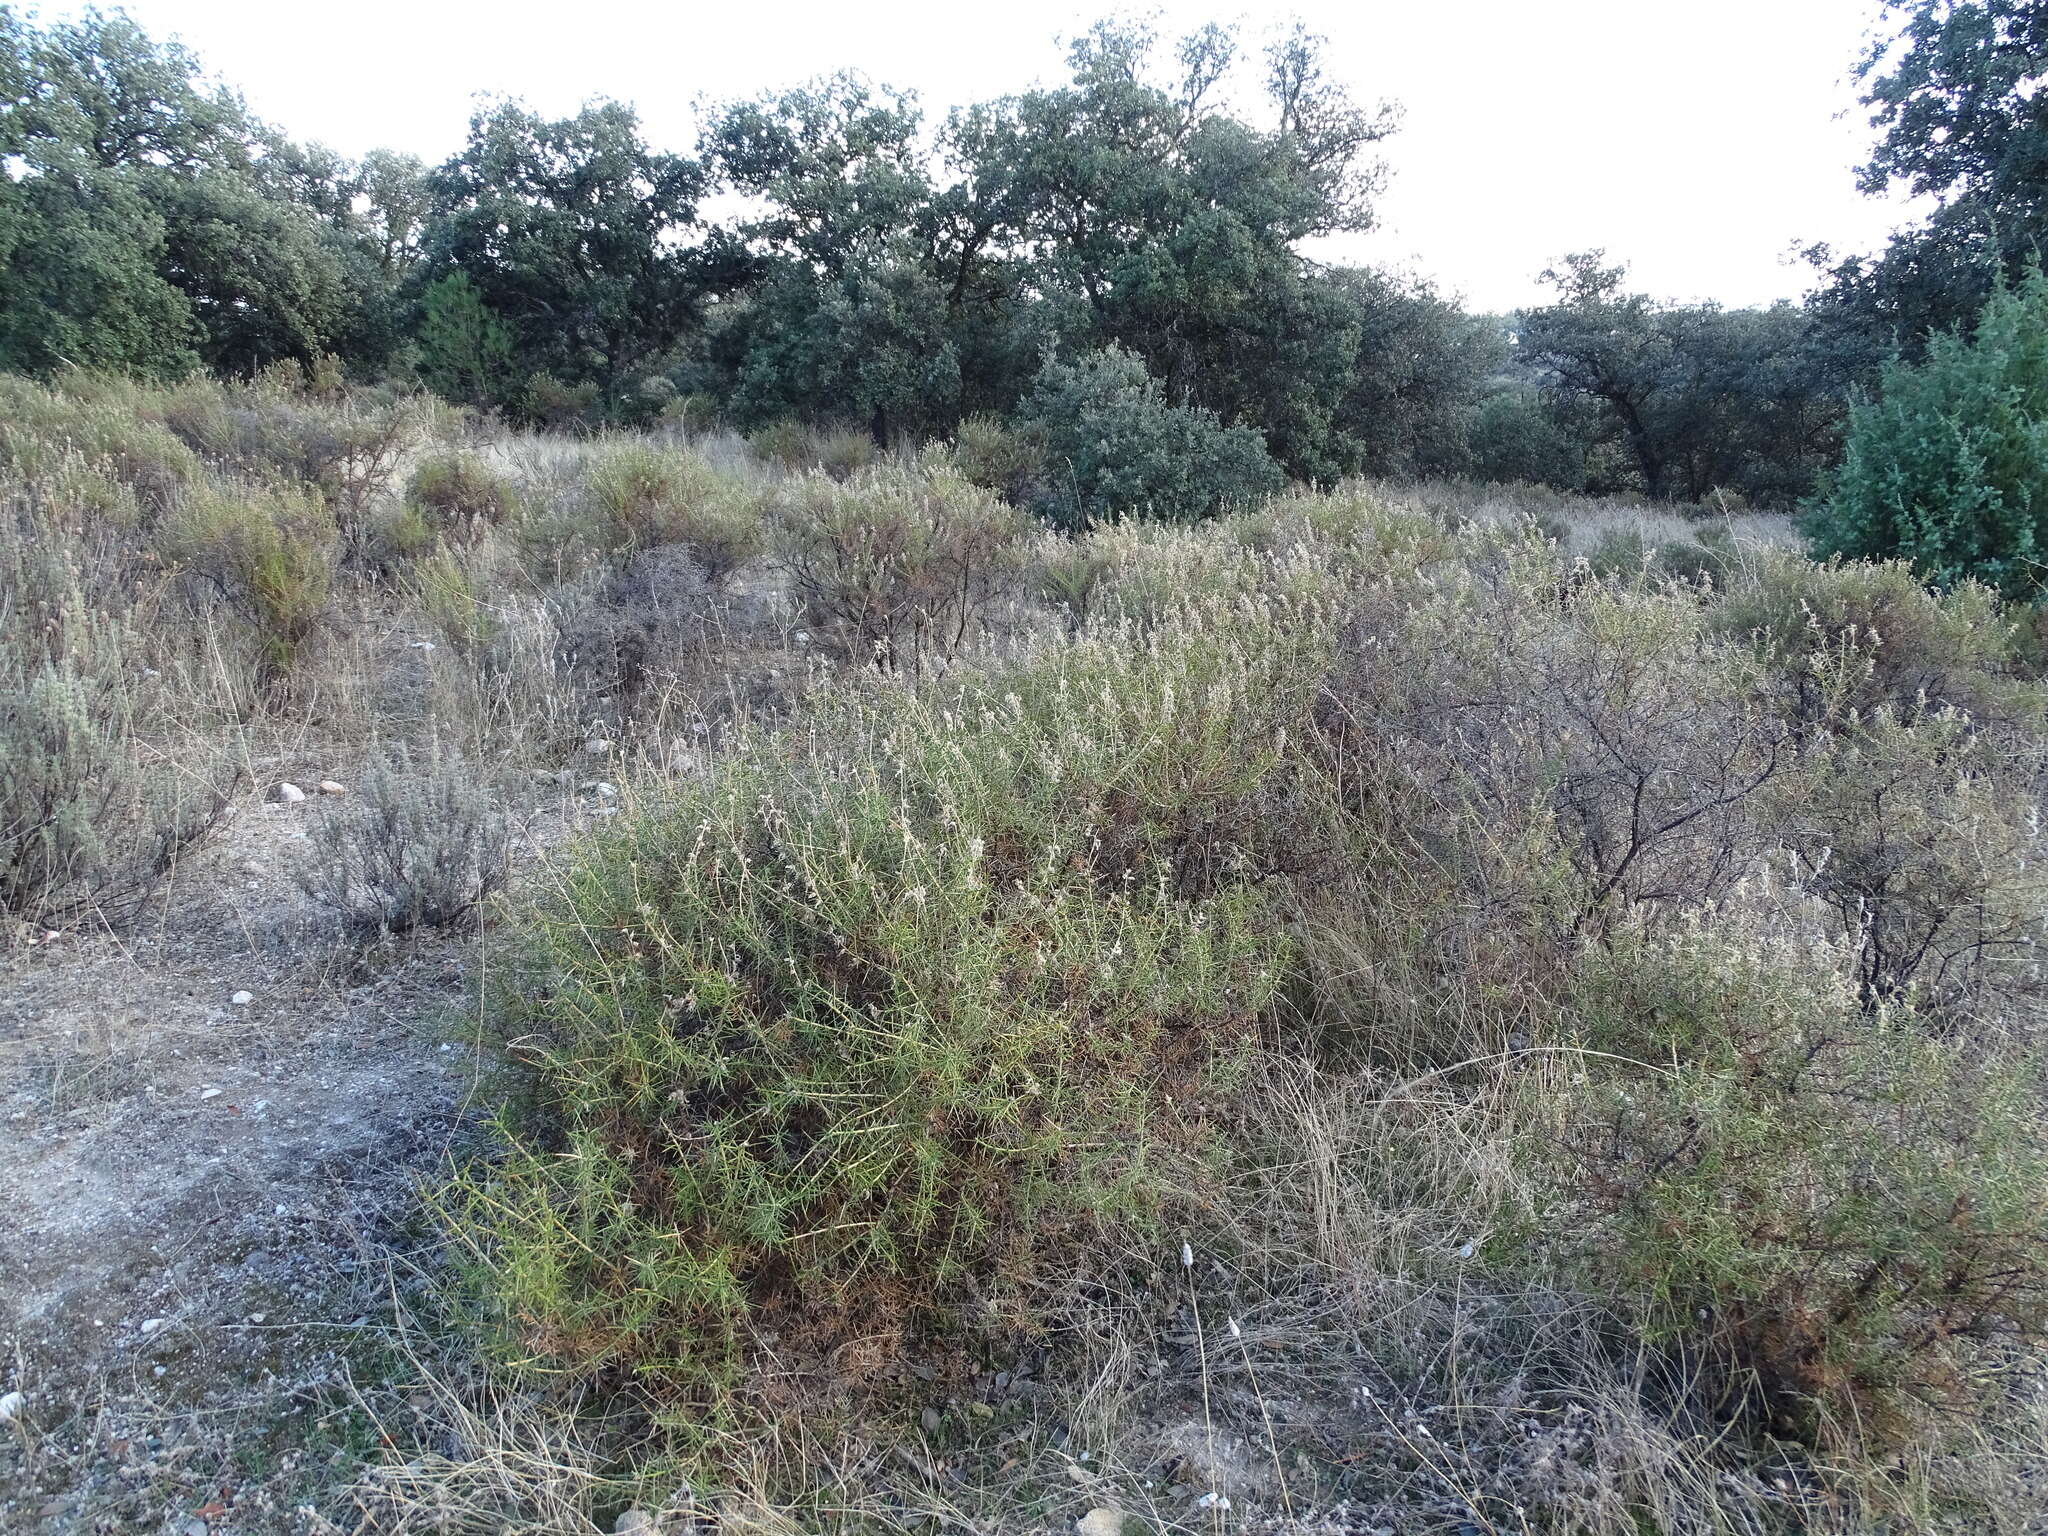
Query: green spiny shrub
point(898, 564)
point(997, 458)
point(796, 448)
point(645, 497)
point(1832, 1200)
point(894, 1025)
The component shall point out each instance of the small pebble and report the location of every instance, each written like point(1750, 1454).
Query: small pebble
point(210, 1093)
point(289, 794)
point(1100, 1522)
point(330, 787)
point(151, 1324)
point(12, 1406)
point(243, 999)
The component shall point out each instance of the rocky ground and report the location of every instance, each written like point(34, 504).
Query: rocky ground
point(214, 1125)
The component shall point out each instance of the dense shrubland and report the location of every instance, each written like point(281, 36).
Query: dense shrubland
point(1523, 1006)
point(1607, 945)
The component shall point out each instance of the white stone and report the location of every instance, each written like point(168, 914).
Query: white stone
point(151, 1324)
point(12, 1406)
point(633, 1520)
point(330, 787)
point(290, 794)
point(210, 1093)
point(1100, 1522)
point(243, 999)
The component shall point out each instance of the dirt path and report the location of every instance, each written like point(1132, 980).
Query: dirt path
point(199, 1190)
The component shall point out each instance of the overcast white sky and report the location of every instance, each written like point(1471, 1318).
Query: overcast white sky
point(1696, 139)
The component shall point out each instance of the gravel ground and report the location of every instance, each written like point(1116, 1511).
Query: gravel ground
point(215, 1125)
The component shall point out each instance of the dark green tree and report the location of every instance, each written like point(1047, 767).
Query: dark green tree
point(466, 352)
point(1418, 367)
point(150, 219)
point(847, 313)
point(573, 233)
point(1150, 218)
point(1116, 445)
point(1954, 92)
point(1696, 398)
point(1948, 467)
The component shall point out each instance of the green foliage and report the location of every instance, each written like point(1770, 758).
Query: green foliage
point(1420, 363)
point(1696, 398)
point(421, 844)
point(1836, 1200)
point(564, 234)
point(1624, 553)
point(1845, 639)
point(646, 497)
point(888, 1027)
point(1511, 439)
point(465, 349)
point(1951, 93)
point(1116, 445)
point(155, 223)
point(1948, 468)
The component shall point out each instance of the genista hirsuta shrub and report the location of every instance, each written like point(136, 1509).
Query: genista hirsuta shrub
point(1841, 1201)
point(458, 495)
point(889, 1026)
point(269, 555)
point(898, 565)
point(644, 497)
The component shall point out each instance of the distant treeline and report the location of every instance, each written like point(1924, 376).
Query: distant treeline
point(1122, 251)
